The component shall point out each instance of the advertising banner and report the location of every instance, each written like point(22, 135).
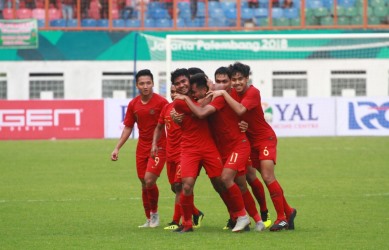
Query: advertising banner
point(51, 119)
point(301, 116)
point(363, 116)
point(19, 34)
point(115, 111)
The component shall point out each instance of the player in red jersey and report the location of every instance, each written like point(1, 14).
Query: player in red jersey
point(245, 100)
point(144, 110)
point(233, 147)
point(223, 81)
point(198, 147)
point(173, 154)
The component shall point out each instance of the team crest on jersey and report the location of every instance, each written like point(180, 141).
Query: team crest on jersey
point(152, 111)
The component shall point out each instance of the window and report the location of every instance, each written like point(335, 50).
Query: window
point(46, 86)
point(290, 84)
point(118, 85)
point(348, 83)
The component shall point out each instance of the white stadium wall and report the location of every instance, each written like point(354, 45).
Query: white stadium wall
point(83, 79)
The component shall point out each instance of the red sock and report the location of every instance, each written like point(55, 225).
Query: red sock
point(287, 208)
point(195, 210)
point(187, 209)
point(225, 198)
point(249, 204)
point(153, 194)
point(277, 198)
point(259, 193)
point(236, 201)
point(146, 204)
point(177, 213)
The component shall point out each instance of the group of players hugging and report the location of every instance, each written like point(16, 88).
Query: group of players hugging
point(216, 126)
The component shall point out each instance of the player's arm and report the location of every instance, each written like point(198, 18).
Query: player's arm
point(236, 106)
point(123, 138)
point(200, 112)
point(157, 134)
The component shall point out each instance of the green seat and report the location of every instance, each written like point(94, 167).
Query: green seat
point(308, 12)
point(320, 12)
point(376, 3)
point(359, 3)
point(312, 21)
point(373, 20)
point(351, 11)
point(326, 21)
point(340, 11)
point(262, 22)
point(343, 20)
point(361, 11)
point(380, 11)
point(356, 20)
point(281, 21)
point(295, 21)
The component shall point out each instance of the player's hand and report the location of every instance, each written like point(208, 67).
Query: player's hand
point(209, 94)
point(179, 97)
point(217, 93)
point(243, 126)
point(154, 151)
point(115, 155)
point(176, 117)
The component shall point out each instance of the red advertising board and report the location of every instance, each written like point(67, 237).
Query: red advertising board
point(60, 119)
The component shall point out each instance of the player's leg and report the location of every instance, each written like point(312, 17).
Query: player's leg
point(153, 171)
point(186, 200)
point(257, 188)
point(235, 198)
point(259, 194)
point(141, 165)
point(176, 189)
point(249, 202)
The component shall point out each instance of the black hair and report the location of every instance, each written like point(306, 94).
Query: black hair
point(239, 67)
point(222, 71)
point(178, 72)
point(144, 72)
point(193, 70)
point(200, 79)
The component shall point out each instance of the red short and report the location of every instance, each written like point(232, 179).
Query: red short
point(209, 158)
point(148, 164)
point(239, 157)
point(266, 150)
point(173, 172)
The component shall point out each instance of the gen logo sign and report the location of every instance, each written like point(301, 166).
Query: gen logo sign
point(36, 117)
point(51, 119)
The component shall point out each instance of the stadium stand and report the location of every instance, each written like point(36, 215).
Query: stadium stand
point(210, 14)
point(23, 13)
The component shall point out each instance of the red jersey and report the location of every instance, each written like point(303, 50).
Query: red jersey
point(258, 129)
point(195, 132)
point(224, 124)
point(146, 116)
point(174, 133)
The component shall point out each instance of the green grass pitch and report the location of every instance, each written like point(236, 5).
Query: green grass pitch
point(68, 195)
